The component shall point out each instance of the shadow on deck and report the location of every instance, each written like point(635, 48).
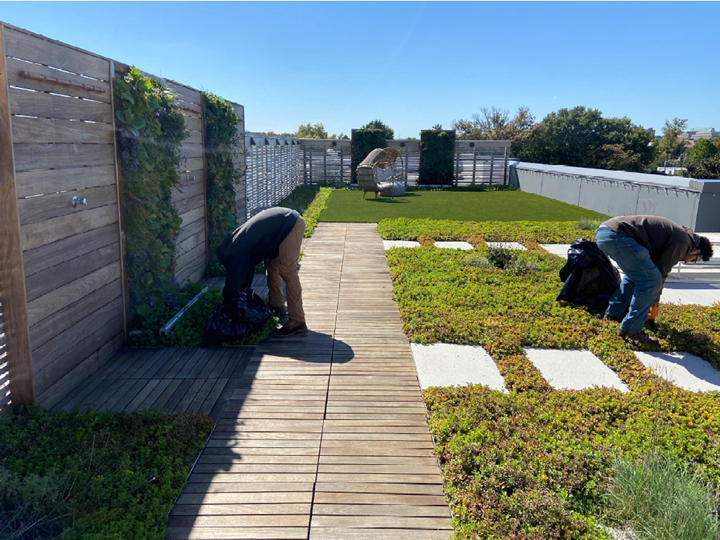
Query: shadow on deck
point(178, 379)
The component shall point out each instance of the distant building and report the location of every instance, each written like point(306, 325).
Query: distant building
point(694, 135)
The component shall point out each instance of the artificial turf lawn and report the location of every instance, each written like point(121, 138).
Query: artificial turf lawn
point(349, 206)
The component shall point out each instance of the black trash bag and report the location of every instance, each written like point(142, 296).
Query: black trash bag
point(236, 318)
point(589, 276)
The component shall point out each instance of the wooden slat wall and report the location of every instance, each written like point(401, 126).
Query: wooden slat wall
point(240, 163)
point(192, 250)
point(63, 140)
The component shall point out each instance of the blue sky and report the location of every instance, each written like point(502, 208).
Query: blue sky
point(410, 64)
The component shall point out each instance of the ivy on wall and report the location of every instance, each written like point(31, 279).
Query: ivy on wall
point(437, 149)
point(151, 129)
point(223, 172)
point(363, 142)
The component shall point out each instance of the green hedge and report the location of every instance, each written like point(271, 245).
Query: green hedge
point(437, 151)
point(363, 142)
point(95, 475)
point(221, 145)
point(151, 129)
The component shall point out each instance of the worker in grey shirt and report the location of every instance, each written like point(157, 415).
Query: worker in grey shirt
point(275, 237)
point(645, 248)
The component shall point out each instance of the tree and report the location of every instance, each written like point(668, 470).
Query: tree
point(378, 124)
point(703, 160)
point(308, 131)
point(670, 146)
point(703, 149)
point(581, 137)
point(436, 127)
point(341, 136)
point(494, 124)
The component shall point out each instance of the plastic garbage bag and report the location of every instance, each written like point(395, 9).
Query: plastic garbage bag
point(236, 318)
point(589, 276)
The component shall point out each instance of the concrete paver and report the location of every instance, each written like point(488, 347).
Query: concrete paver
point(454, 245)
point(444, 364)
point(389, 244)
point(573, 370)
point(507, 245)
point(682, 369)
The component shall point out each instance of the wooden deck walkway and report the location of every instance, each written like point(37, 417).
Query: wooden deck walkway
point(324, 435)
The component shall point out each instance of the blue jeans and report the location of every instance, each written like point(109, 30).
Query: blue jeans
point(641, 285)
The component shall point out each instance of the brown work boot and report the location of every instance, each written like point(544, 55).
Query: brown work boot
point(640, 337)
point(612, 318)
point(289, 329)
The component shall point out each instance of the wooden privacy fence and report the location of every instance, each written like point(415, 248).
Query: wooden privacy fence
point(62, 283)
point(273, 170)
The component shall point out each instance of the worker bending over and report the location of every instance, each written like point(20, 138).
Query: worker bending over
point(274, 236)
point(645, 248)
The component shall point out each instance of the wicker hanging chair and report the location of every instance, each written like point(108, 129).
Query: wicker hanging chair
point(367, 172)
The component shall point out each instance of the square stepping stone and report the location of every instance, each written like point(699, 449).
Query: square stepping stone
point(682, 369)
point(556, 249)
point(688, 292)
point(453, 245)
point(390, 244)
point(573, 370)
point(443, 364)
point(507, 245)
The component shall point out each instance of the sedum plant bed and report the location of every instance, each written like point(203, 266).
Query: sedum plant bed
point(537, 463)
point(536, 232)
point(94, 475)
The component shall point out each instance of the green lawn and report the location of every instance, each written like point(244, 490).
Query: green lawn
point(349, 206)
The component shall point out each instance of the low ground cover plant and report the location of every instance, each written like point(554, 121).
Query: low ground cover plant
point(537, 463)
point(524, 232)
point(540, 465)
point(94, 475)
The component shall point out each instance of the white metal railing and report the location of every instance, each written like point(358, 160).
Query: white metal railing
point(273, 170)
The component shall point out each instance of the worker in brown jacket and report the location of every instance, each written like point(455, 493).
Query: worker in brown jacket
point(645, 248)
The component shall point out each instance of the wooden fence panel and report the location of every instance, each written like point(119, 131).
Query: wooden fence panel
point(191, 240)
point(64, 146)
